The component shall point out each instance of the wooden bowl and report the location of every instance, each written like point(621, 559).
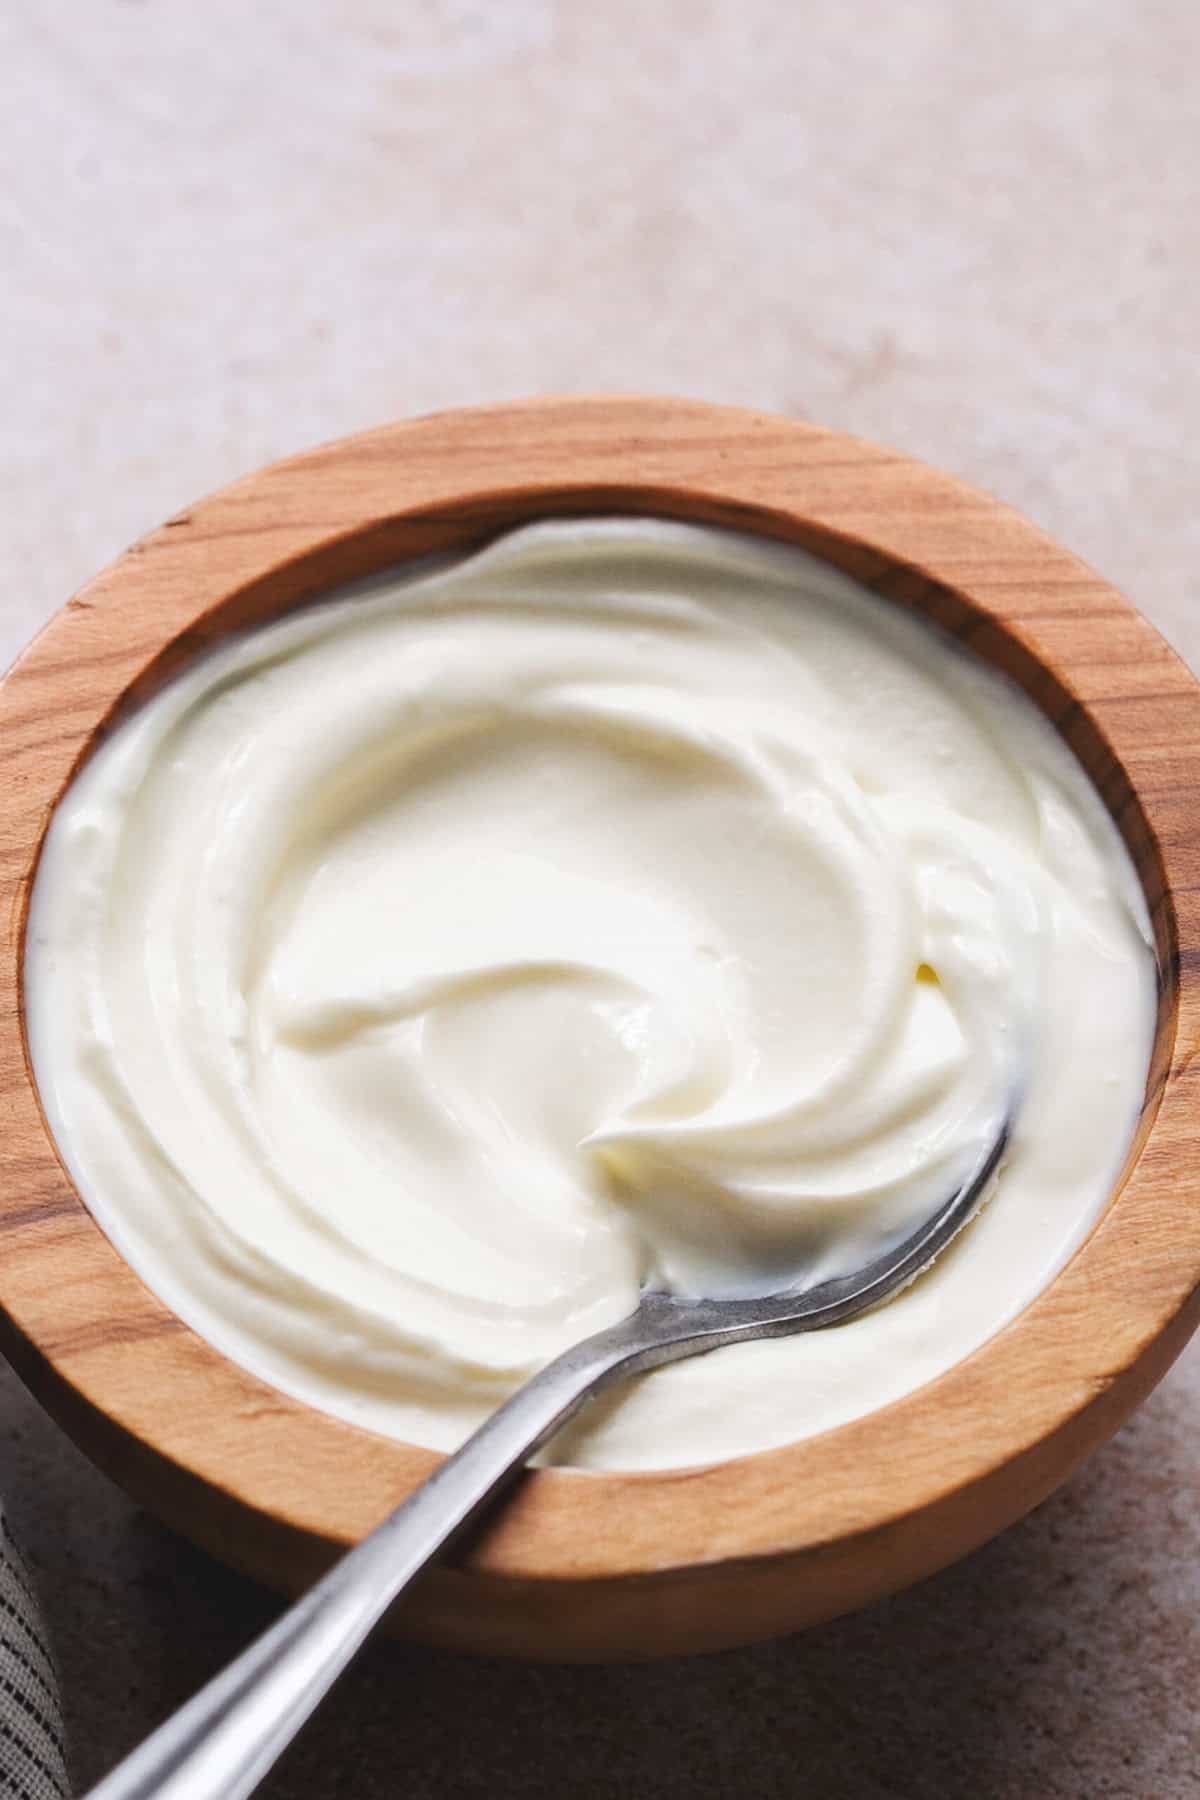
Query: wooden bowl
point(601, 1565)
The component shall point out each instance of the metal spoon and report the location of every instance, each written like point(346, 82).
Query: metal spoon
point(221, 1743)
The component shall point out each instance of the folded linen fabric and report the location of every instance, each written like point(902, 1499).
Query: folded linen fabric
point(32, 1758)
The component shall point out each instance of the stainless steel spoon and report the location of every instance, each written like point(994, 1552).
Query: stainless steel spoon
point(221, 1743)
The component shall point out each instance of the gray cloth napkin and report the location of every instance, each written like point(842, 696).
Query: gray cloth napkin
point(32, 1760)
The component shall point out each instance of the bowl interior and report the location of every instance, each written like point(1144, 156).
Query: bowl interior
point(802, 1532)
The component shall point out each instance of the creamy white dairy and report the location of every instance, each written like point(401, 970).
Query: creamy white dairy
point(419, 974)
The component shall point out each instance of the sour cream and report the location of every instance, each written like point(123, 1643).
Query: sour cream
point(420, 974)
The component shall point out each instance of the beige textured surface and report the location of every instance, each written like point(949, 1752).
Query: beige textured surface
point(967, 230)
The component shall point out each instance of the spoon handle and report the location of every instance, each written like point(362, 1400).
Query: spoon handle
point(221, 1743)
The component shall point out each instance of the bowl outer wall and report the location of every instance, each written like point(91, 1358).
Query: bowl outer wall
point(594, 1565)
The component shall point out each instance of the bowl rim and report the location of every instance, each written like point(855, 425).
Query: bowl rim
point(71, 1309)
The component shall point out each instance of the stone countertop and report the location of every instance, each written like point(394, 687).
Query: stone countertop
point(967, 231)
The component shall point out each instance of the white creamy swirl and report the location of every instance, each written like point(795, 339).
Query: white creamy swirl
point(420, 974)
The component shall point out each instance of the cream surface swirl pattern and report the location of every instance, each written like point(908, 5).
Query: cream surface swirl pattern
point(419, 974)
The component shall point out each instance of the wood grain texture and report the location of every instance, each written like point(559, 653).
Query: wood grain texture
point(600, 1565)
